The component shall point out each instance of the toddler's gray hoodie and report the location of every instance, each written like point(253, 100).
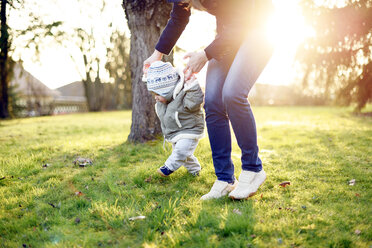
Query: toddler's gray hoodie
point(182, 116)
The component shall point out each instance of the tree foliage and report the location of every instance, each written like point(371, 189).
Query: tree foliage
point(338, 59)
point(33, 35)
point(93, 50)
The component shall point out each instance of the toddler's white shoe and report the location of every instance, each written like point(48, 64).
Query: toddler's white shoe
point(219, 189)
point(249, 182)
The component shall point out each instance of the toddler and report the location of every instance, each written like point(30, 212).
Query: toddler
point(178, 106)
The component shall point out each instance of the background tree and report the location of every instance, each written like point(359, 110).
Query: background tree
point(120, 92)
point(4, 46)
point(337, 61)
point(146, 19)
point(90, 48)
point(93, 85)
point(33, 36)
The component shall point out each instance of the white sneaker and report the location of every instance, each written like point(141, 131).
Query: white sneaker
point(249, 182)
point(219, 189)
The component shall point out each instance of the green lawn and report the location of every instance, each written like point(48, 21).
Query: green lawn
point(319, 150)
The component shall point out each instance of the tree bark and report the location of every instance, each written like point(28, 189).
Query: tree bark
point(146, 19)
point(4, 45)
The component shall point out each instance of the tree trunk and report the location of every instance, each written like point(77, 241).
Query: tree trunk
point(93, 89)
point(146, 20)
point(4, 42)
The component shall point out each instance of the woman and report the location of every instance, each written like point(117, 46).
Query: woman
point(236, 58)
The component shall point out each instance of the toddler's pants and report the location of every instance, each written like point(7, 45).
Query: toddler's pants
point(183, 155)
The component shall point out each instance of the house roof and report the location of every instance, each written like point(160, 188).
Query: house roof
point(27, 85)
point(73, 92)
point(72, 89)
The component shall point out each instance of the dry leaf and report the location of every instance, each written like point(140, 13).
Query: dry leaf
point(79, 193)
point(141, 217)
point(352, 182)
point(82, 162)
point(285, 183)
point(147, 180)
point(237, 211)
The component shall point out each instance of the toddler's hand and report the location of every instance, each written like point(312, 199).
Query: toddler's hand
point(192, 79)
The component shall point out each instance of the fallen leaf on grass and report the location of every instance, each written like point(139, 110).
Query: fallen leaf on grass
point(54, 206)
point(46, 165)
point(141, 217)
point(308, 227)
point(121, 183)
point(352, 182)
point(237, 211)
point(357, 195)
point(147, 180)
point(77, 220)
point(79, 193)
point(83, 162)
point(290, 209)
point(285, 183)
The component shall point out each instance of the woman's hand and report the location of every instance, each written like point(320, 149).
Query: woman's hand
point(196, 62)
point(155, 56)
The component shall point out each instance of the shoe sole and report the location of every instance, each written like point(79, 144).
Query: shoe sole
point(161, 173)
point(250, 195)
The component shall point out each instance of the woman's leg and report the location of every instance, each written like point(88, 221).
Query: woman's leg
point(217, 121)
point(248, 64)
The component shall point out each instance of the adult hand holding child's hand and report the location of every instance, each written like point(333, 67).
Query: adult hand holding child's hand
point(196, 62)
point(192, 79)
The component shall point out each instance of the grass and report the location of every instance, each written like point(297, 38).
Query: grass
point(319, 150)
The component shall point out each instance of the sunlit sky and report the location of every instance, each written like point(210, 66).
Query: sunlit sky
point(286, 30)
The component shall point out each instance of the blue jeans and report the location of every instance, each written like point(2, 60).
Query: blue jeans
point(226, 99)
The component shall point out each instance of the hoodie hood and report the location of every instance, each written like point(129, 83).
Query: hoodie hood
point(176, 90)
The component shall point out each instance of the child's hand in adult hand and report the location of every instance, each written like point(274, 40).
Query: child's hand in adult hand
point(196, 62)
point(155, 56)
point(192, 79)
